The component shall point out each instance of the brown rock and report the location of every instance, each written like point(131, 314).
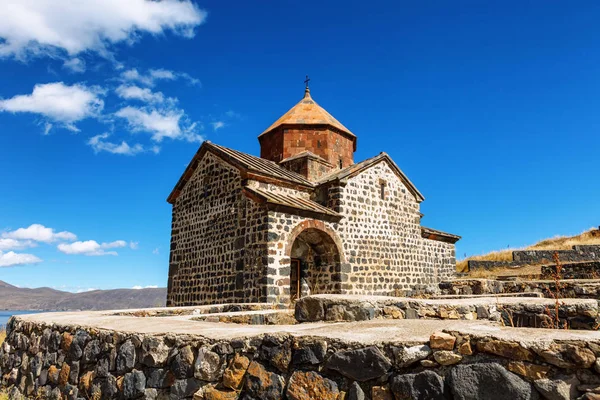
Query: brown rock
point(311, 385)
point(85, 382)
point(53, 374)
point(234, 374)
point(67, 339)
point(63, 376)
point(510, 350)
point(381, 393)
point(445, 357)
point(528, 370)
point(442, 341)
point(465, 349)
point(211, 393)
point(568, 356)
point(429, 364)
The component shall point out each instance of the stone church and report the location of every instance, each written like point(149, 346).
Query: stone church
point(303, 218)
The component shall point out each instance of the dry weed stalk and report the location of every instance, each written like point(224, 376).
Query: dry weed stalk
point(553, 321)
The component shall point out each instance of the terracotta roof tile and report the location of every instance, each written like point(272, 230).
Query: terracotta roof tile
point(308, 112)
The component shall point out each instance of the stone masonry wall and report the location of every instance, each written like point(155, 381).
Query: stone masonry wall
point(218, 240)
point(382, 237)
point(323, 141)
point(68, 362)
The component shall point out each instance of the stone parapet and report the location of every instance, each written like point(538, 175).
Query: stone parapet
point(45, 357)
point(509, 311)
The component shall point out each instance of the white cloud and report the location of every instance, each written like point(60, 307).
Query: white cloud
point(58, 102)
point(134, 245)
point(55, 27)
point(99, 144)
point(217, 125)
point(13, 244)
point(154, 75)
point(156, 251)
point(11, 259)
point(161, 123)
point(132, 92)
point(39, 233)
point(138, 287)
point(75, 64)
point(91, 248)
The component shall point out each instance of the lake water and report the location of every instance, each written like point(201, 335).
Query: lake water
point(6, 314)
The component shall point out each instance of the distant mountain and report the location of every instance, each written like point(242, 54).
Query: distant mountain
point(14, 298)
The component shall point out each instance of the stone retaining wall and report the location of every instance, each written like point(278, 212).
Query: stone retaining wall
point(516, 312)
point(572, 289)
point(582, 270)
point(70, 362)
point(536, 257)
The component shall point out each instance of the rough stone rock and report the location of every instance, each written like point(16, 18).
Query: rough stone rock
point(355, 392)
point(150, 394)
point(212, 393)
point(125, 357)
point(208, 365)
point(528, 370)
point(483, 381)
point(568, 356)
point(381, 393)
point(446, 357)
point(159, 378)
point(91, 351)
point(309, 353)
point(102, 368)
point(74, 374)
point(53, 373)
point(597, 365)
point(276, 353)
point(183, 388)
point(311, 386)
point(361, 364)
point(183, 363)
point(465, 349)
point(262, 384)
point(223, 349)
point(70, 392)
point(426, 385)
point(442, 341)
point(63, 376)
point(233, 376)
point(406, 356)
point(393, 312)
point(429, 364)
point(67, 339)
point(309, 309)
point(134, 384)
point(78, 344)
point(511, 350)
point(359, 312)
point(154, 351)
point(564, 388)
point(109, 387)
point(85, 382)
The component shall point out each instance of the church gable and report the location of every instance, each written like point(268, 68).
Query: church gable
point(347, 173)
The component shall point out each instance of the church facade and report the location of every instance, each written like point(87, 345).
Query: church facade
point(303, 218)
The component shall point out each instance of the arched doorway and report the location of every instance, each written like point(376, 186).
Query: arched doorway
point(315, 264)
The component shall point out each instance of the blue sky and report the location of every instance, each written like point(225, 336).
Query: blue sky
point(491, 109)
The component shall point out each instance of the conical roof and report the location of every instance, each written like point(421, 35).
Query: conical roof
point(308, 112)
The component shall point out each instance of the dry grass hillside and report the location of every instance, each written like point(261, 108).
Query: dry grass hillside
point(588, 237)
